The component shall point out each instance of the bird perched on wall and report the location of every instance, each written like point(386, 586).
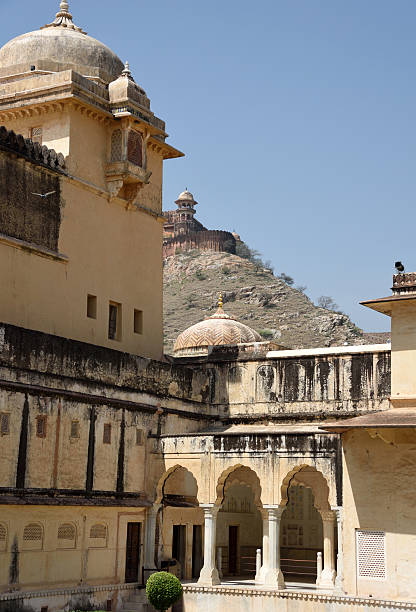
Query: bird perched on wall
point(44, 195)
point(399, 266)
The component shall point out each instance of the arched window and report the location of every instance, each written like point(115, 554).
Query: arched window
point(67, 535)
point(33, 537)
point(116, 146)
point(3, 537)
point(98, 535)
point(135, 148)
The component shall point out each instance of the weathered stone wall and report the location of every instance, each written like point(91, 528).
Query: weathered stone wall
point(303, 387)
point(208, 240)
point(27, 169)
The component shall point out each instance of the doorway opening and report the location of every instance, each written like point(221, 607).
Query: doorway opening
point(179, 547)
point(133, 542)
point(197, 553)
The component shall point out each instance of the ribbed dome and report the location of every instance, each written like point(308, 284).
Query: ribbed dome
point(61, 45)
point(219, 329)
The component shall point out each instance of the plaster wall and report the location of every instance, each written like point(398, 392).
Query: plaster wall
point(51, 561)
point(113, 253)
point(379, 495)
point(403, 343)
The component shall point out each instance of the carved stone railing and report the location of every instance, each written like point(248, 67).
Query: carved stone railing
point(404, 283)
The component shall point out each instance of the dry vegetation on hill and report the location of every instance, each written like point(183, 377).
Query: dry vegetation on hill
point(253, 295)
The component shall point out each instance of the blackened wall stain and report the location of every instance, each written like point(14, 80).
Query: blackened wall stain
point(323, 370)
point(22, 456)
point(14, 563)
point(383, 375)
point(33, 350)
point(89, 481)
point(292, 443)
point(23, 215)
point(361, 376)
point(120, 462)
point(265, 383)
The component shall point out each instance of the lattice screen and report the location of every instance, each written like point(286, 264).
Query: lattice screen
point(116, 146)
point(36, 134)
point(75, 429)
point(3, 537)
point(134, 148)
point(371, 554)
point(66, 531)
point(4, 424)
point(32, 537)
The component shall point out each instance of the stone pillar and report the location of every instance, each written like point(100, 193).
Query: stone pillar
point(273, 574)
point(339, 580)
point(328, 574)
point(150, 537)
point(266, 553)
point(209, 573)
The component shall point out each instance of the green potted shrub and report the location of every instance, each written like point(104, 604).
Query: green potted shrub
point(162, 590)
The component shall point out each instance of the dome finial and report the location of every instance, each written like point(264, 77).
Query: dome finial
point(220, 301)
point(127, 72)
point(64, 19)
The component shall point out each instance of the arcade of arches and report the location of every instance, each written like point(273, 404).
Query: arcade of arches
point(238, 534)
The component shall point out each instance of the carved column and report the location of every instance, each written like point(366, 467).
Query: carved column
point(273, 574)
point(260, 576)
point(150, 537)
point(339, 580)
point(328, 574)
point(209, 573)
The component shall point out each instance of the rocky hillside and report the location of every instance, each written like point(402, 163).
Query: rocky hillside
point(253, 295)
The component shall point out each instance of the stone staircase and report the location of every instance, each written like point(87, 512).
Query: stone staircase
point(137, 602)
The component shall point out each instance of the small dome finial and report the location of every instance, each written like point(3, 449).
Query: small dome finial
point(64, 19)
point(127, 72)
point(220, 301)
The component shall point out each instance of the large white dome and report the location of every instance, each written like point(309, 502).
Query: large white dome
point(60, 46)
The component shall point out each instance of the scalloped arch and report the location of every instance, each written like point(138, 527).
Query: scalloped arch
point(225, 481)
point(320, 490)
point(162, 481)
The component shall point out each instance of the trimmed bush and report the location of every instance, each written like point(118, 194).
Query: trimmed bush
point(162, 590)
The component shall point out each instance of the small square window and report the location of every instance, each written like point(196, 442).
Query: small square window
point(4, 424)
point(91, 306)
point(114, 321)
point(107, 433)
point(41, 426)
point(35, 134)
point(75, 429)
point(139, 437)
point(138, 321)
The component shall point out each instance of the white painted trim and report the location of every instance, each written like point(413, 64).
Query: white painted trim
point(330, 350)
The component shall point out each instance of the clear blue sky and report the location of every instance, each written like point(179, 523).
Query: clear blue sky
point(297, 119)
